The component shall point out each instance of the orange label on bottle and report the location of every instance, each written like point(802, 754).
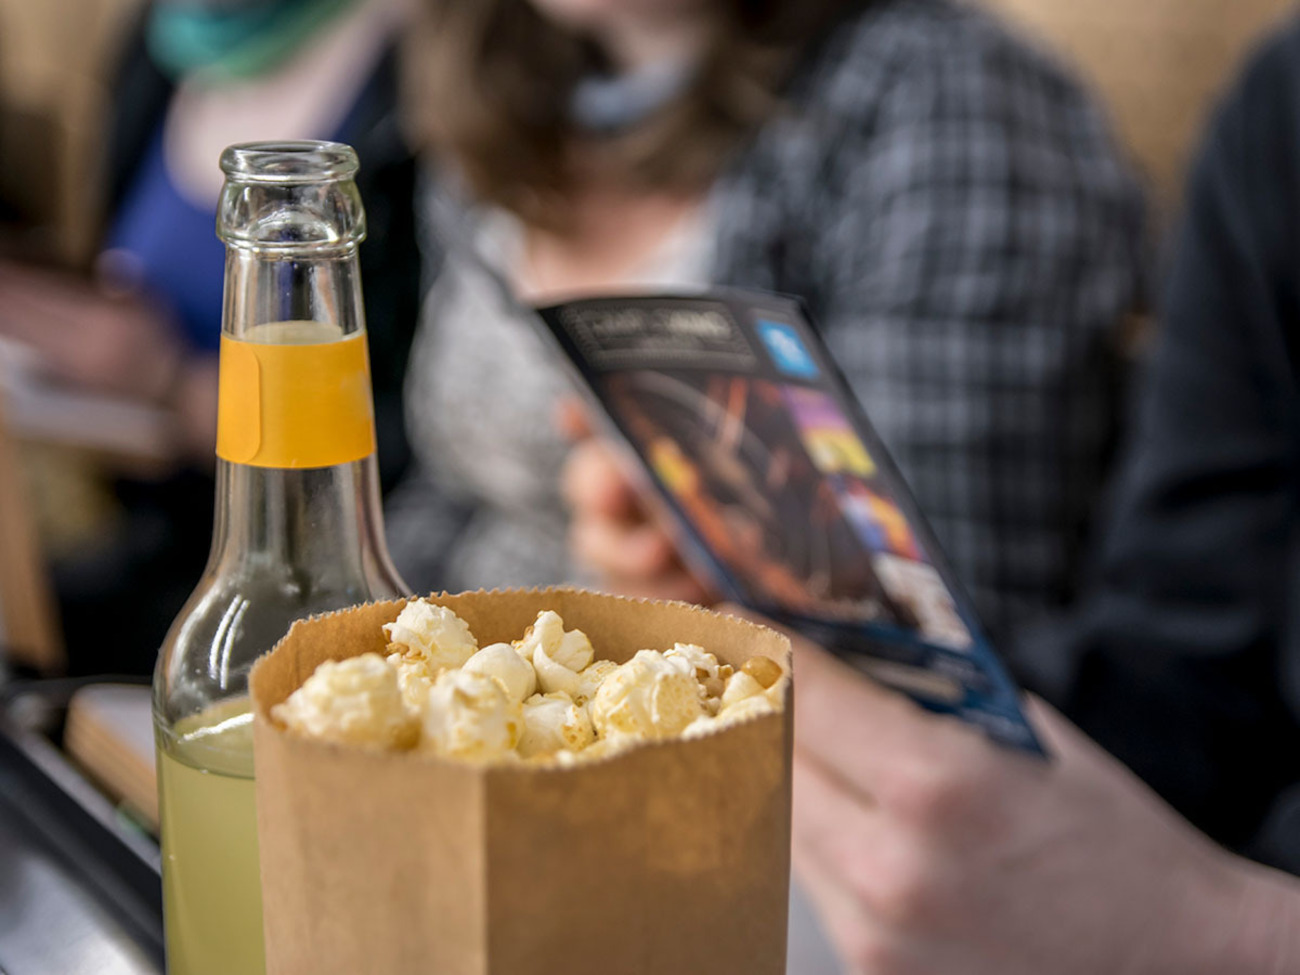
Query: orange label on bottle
point(295, 406)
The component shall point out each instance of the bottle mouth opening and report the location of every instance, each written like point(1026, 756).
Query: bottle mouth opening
point(289, 162)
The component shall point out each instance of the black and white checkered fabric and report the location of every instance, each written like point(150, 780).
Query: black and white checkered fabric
point(956, 213)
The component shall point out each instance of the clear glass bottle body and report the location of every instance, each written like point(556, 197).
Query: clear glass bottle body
point(287, 543)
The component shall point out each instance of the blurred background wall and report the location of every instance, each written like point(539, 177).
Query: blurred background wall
point(1158, 63)
point(55, 62)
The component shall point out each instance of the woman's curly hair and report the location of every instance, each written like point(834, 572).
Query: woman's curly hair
point(489, 84)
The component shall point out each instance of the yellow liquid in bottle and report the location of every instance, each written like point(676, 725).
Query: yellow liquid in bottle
point(212, 895)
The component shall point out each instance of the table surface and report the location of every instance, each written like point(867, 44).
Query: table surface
point(59, 918)
point(49, 921)
point(79, 890)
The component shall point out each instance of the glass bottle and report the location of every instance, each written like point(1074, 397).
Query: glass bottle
point(297, 531)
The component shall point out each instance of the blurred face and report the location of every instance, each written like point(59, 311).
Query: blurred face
point(600, 15)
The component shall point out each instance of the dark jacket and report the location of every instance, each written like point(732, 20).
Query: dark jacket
point(1186, 659)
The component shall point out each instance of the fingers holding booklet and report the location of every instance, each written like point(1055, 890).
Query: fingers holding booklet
point(612, 533)
point(926, 848)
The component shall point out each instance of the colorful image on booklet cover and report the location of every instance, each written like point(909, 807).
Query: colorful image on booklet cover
point(786, 498)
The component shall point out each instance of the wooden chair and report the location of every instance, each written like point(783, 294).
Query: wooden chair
point(29, 627)
point(56, 59)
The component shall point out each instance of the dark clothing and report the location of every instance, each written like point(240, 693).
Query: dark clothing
point(952, 206)
point(179, 260)
point(1186, 661)
point(117, 602)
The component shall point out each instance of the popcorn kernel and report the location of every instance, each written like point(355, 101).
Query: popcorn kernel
point(766, 672)
point(353, 701)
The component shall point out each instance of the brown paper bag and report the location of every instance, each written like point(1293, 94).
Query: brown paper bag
point(669, 859)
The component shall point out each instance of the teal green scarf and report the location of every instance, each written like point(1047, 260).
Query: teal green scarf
point(237, 42)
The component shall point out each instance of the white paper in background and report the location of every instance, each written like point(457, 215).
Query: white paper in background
point(38, 409)
point(126, 710)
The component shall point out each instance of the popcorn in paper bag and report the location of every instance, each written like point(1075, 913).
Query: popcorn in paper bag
point(517, 825)
point(544, 697)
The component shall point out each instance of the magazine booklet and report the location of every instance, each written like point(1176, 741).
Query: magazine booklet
point(783, 495)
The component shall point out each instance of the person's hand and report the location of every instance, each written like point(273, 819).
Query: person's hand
point(610, 532)
point(90, 335)
point(928, 850)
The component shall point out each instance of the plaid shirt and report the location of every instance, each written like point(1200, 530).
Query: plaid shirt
point(955, 213)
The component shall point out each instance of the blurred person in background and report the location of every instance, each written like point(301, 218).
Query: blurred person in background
point(195, 76)
point(949, 203)
point(1184, 659)
point(929, 850)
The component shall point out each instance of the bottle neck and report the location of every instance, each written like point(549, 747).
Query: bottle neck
point(265, 290)
point(314, 535)
point(297, 484)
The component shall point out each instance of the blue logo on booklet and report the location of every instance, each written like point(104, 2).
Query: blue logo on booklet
point(787, 350)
